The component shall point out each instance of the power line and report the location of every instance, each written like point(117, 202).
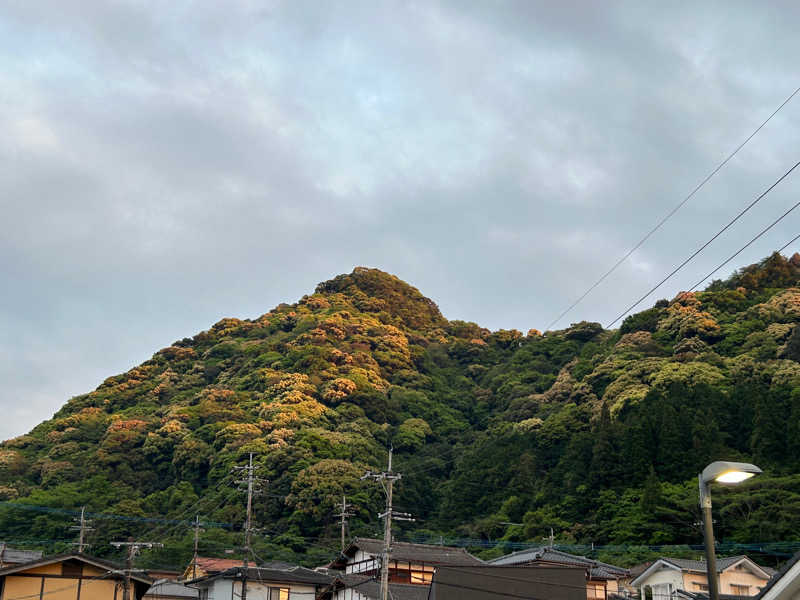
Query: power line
point(747, 245)
point(674, 210)
point(789, 243)
point(112, 516)
point(704, 246)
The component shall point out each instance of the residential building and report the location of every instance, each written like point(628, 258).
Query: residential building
point(668, 578)
point(785, 585)
point(493, 583)
point(602, 579)
point(169, 589)
point(272, 581)
point(409, 563)
point(368, 587)
point(206, 565)
point(69, 577)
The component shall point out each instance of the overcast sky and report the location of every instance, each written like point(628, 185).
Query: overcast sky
point(166, 164)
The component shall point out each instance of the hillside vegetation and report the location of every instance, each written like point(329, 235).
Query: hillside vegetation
point(598, 434)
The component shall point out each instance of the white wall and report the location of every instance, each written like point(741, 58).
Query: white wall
point(661, 581)
point(257, 590)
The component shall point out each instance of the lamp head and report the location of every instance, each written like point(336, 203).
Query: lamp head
point(723, 471)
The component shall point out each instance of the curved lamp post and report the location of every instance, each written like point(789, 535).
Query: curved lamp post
point(722, 472)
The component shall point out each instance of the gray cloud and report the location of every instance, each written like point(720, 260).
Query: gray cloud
point(163, 166)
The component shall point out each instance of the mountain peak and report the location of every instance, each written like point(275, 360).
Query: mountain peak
point(373, 290)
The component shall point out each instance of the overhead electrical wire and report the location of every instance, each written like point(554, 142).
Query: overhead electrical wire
point(789, 243)
point(669, 215)
point(748, 244)
point(704, 246)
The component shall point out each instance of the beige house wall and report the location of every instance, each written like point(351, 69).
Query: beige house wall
point(727, 579)
point(58, 588)
point(28, 586)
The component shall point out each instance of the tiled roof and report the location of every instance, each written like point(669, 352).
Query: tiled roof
point(700, 565)
point(14, 556)
point(427, 553)
point(546, 554)
point(293, 574)
point(217, 565)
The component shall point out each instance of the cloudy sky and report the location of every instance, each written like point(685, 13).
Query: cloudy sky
point(166, 164)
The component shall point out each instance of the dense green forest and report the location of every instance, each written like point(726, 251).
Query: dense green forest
point(499, 435)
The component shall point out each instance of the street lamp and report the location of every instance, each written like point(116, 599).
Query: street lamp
point(722, 472)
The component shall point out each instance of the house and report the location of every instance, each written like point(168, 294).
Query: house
point(368, 587)
point(204, 565)
point(785, 585)
point(409, 563)
point(602, 579)
point(169, 589)
point(493, 583)
point(11, 556)
point(272, 581)
point(69, 577)
point(667, 578)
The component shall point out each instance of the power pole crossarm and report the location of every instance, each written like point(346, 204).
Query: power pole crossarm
point(251, 481)
point(133, 548)
point(82, 527)
point(387, 479)
point(343, 514)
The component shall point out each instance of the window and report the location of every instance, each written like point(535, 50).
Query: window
point(203, 594)
point(701, 586)
point(404, 572)
point(595, 591)
point(276, 593)
point(740, 590)
point(421, 577)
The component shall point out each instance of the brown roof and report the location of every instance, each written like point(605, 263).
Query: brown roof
point(406, 551)
point(217, 565)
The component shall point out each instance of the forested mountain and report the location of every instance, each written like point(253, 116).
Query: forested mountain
point(598, 434)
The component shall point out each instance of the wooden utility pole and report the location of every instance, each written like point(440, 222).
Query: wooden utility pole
point(197, 530)
point(133, 548)
point(82, 527)
point(387, 479)
point(250, 481)
point(343, 514)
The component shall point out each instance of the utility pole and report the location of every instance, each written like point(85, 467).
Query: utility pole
point(133, 548)
point(387, 479)
point(551, 538)
point(343, 514)
point(251, 481)
point(82, 528)
point(197, 530)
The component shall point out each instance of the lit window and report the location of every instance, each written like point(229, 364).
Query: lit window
point(740, 590)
